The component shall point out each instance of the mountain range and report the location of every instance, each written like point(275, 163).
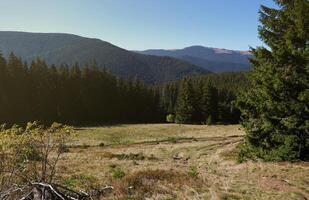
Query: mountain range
point(57, 48)
point(151, 66)
point(212, 59)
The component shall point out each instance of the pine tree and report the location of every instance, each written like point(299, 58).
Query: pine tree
point(275, 109)
point(3, 89)
point(185, 107)
point(209, 103)
point(17, 89)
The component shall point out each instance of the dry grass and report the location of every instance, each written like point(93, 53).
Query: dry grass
point(147, 183)
point(132, 133)
point(189, 162)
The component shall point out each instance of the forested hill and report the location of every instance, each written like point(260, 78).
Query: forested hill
point(72, 95)
point(212, 59)
point(57, 49)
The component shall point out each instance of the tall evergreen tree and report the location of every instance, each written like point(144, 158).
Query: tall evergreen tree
point(275, 111)
point(185, 107)
point(3, 88)
point(209, 102)
point(17, 88)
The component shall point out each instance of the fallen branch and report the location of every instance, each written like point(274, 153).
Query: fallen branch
point(45, 191)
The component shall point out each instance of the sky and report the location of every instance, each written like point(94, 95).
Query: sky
point(141, 24)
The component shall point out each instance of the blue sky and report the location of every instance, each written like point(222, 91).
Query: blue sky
point(141, 24)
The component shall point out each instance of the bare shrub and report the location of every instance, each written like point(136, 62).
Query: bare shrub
point(29, 155)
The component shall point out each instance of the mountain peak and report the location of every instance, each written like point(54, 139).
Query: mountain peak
point(213, 59)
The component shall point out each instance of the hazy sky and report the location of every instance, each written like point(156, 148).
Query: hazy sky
point(141, 24)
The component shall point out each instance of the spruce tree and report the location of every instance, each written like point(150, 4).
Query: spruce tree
point(16, 88)
point(185, 107)
point(275, 110)
point(209, 103)
point(3, 89)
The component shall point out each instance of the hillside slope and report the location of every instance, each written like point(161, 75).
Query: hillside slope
point(57, 48)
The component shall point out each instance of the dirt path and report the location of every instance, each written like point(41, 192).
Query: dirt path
point(167, 141)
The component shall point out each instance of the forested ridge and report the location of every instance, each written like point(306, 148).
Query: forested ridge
point(59, 48)
point(68, 94)
point(89, 94)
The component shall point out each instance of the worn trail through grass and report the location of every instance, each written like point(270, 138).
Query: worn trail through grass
point(168, 161)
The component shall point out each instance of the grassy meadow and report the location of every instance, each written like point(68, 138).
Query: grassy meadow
point(171, 161)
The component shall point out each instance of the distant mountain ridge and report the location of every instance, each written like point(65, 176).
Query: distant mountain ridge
point(59, 48)
point(212, 59)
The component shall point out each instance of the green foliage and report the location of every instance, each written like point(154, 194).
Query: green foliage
point(185, 107)
point(79, 180)
point(170, 118)
point(117, 172)
point(210, 95)
point(210, 120)
point(173, 139)
point(209, 103)
point(89, 95)
point(72, 95)
point(70, 182)
point(31, 153)
point(275, 109)
point(286, 149)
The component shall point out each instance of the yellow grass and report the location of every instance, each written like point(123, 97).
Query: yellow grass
point(169, 161)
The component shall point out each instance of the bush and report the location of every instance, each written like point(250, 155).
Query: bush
point(117, 172)
point(286, 149)
point(31, 153)
point(170, 118)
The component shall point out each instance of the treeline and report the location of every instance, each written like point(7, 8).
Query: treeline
point(87, 94)
point(71, 94)
point(204, 99)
